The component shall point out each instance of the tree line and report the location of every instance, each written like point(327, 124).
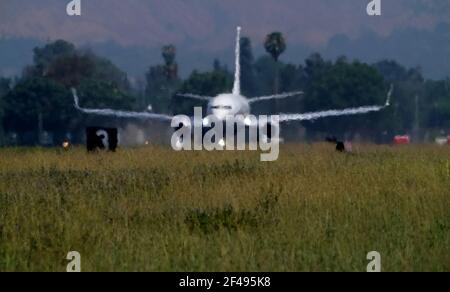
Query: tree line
point(37, 107)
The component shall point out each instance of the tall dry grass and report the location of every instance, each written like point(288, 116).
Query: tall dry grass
point(153, 209)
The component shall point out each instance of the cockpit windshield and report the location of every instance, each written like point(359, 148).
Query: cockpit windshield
point(227, 107)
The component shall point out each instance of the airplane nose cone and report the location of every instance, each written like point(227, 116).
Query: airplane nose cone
point(221, 115)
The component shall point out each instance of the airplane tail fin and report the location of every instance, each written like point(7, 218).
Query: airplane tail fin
point(237, 74)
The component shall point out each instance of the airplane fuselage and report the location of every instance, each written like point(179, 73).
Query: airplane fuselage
point(225, 105)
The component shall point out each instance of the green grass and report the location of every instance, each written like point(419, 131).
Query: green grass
point(153, 209)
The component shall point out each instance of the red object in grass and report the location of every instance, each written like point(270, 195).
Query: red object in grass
point(448, 139)
point(402, 140)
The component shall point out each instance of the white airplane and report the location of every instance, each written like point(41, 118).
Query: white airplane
point(235, 104)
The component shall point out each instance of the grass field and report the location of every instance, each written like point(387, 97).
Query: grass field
point(153, 209)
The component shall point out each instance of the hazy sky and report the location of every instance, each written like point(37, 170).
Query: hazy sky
point(132, 32)
point(154, 22)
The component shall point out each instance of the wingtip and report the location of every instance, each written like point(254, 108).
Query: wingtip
point(389, 96)
point(75, 97)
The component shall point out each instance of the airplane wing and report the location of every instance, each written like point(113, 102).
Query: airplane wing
point(118, 113)
point(329, 113)
point(335, 113)
point(276, 96)
point(195, 96)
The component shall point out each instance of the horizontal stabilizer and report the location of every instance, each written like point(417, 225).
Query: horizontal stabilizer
point(276, 96)
point(195, 96)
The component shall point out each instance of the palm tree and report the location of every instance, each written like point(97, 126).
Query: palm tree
point(168, 53)
point(275, 45)
point(171, 68)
